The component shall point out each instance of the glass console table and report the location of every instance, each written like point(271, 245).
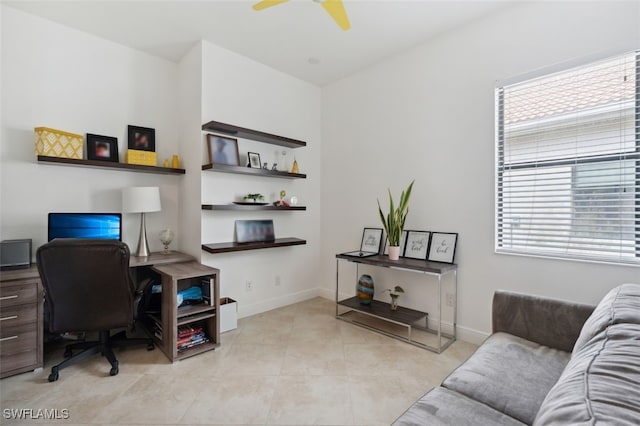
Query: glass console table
point(410, 319)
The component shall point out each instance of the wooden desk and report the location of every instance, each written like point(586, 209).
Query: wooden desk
point(21, 313)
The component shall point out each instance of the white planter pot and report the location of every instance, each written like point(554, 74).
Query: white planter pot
point(394, 252)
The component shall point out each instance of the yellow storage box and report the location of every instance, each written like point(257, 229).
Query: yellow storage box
point(144, 158)
point(57, 143)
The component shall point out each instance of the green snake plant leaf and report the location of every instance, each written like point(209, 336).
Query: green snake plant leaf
point(394, 221)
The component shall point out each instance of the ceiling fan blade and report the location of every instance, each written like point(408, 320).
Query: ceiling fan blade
point(267, 3)
point(335, 8)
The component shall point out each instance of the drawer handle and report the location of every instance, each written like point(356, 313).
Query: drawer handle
point(14, 296)
point(9, 318)
point(8, 338)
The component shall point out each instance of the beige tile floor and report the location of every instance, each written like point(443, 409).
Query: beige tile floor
point(295, 365)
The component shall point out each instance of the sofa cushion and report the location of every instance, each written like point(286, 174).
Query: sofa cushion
point(601, 384)
point(620, 305)
point(445, 407)
point(509, 374)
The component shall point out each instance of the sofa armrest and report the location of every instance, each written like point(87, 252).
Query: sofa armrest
point(549, 322)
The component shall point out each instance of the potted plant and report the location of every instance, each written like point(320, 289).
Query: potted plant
point(393, 222)
point(395, 293)
point(255, 198)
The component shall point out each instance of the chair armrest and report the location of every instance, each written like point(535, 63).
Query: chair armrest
point(549, 322)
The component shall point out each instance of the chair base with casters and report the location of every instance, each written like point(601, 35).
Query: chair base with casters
point(104, 346)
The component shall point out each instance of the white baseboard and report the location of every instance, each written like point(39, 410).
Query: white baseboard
point(276, 302)
point(471, 335)
point(465, 334)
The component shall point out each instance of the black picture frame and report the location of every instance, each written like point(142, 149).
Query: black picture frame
point(371, 240)
point(250, 231)
point(442, 247)
point(417, 244)
point(228, 147)
point(403, 243)
point(102, 148)
point(141, 138)
point(254, 160)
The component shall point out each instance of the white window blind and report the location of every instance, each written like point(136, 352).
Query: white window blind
point(568, 163)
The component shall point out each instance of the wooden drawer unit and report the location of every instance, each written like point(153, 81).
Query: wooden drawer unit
point(21, 306)
point(19, 293)
point(20, 315)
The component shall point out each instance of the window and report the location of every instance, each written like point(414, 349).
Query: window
point(568, 163)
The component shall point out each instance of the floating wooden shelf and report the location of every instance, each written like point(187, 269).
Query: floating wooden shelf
point(238, 207)
point(256, 135)
point(109, 165)
point(231, 247)
point(223, 168)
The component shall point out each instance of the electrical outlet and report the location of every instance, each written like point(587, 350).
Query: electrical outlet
point(248, 286)
point(277, 282)
point(450, 300)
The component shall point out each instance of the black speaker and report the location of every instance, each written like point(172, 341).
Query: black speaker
point(15, 254)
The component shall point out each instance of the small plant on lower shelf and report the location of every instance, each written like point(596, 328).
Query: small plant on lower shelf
point(254, 197)
point(395, 293)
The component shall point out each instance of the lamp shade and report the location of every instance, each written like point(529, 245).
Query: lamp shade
point(141, 199)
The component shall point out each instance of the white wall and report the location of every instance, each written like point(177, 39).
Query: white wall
point(190, 101)
point(428, 114)
point(59, 77)
point(239, 91)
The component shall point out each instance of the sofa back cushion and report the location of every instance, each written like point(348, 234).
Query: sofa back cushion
point(601, 383)
point(620, 305)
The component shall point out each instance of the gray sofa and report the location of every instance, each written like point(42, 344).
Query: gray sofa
point(548, 362)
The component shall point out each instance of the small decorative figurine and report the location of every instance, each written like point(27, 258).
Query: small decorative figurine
point(265, 166)
point(282, 202)
point(295, 169)
point(165, 163)
point(274, 167)
point(175, 162)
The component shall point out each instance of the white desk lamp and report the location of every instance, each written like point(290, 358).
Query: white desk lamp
point(141, 199)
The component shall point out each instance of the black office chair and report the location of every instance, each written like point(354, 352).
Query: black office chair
point(88, 288)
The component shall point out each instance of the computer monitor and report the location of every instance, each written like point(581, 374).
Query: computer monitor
point(85, 225)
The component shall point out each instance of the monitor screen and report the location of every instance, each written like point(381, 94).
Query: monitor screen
point(85, 225)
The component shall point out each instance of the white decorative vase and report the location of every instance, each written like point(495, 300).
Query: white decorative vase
point(394, 252)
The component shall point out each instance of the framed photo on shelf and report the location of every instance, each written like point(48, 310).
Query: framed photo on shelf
point(443, 247)
point(223, 150)
point(403, 240)
point(417, 245)
point(371, 240)
point(254, 160)
point(249, 231)
point(102, 148)
point(142, 138)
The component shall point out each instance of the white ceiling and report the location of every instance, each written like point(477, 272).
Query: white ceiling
point(283, 37)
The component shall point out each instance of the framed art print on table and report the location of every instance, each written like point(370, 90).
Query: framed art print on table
point(102, 148)
point(371, 240)
point(417, 245)
point(443, 247)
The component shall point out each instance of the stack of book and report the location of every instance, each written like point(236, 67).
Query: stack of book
point(190, 336)
point(156, 326)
